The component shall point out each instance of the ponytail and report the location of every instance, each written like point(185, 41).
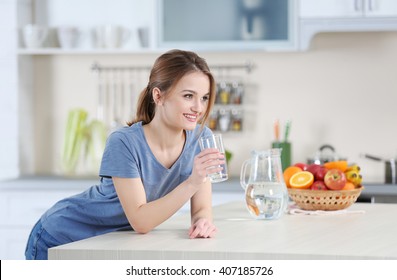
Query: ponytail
point(145, 108)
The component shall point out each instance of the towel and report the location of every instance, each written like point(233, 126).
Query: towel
point(293, 210)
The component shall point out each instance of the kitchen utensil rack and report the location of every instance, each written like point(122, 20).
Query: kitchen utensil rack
point(118, 87)
point(248, 66)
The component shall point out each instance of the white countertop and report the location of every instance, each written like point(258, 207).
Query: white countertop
point(348, 236)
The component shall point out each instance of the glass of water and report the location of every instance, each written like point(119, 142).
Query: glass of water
point(215, 141)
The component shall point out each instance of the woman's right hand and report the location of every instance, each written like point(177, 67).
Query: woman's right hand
point(208, 158)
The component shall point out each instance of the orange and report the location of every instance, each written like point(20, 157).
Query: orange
point(348, 186)
point(339, 164)
point(288, 172)
point(301, 180)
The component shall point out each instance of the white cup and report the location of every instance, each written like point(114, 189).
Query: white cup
point(253, 28)
point(111, 36)
point(34, 35)
point(68, 36)
point(215, 141)
point(143, 35)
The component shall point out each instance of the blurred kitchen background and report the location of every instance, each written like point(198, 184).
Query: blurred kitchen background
point(327, 66)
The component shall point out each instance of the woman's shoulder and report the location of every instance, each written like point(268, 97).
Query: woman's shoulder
point(134, 129)
point(127, 133)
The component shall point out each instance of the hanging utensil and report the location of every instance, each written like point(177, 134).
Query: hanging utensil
point(114, 96)
point(287, 130)
point(276, 127)
point(101, 88)
point(390, 168)
point(130, 94)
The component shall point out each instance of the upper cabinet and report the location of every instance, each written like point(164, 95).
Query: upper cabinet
point(125, 26)
point(347, 8)
point(344, 15)
point(122, 26)
point(89, 26)
point(228, 24)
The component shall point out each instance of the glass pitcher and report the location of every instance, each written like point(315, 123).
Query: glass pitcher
point(265, 192)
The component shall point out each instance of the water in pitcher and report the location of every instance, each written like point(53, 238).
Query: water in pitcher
point(267, 200)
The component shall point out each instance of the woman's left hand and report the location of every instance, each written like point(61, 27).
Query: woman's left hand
point(202, 228)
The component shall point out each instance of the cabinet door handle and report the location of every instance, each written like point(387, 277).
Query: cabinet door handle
point(358, 5)
point(370, 5)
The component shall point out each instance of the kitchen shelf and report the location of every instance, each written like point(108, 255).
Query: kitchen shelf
point(58, 51)
point(248, 66)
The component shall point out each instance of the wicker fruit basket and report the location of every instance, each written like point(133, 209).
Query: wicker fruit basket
point(324, 200)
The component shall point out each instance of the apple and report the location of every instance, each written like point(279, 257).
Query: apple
point(335, 179)
point(319, 185)
point(312, 168)
point(301, 165)
point(320, 173)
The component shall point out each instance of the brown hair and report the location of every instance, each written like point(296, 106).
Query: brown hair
point(167, 70)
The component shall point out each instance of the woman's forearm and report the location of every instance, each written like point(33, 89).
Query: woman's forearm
point(154, 213)
point(147, 216)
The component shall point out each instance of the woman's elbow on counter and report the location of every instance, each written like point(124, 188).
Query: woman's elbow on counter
point(141, 228)
point(142, 231)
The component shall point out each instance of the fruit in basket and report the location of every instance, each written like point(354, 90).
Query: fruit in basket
point(348, 186)
point(354, 167)
point(301, 180)
point(288, 172)
point(312, 168)
point(342, 177)
point(354, 176)
point(320, 173)
point(301, 165)
point(335, 179)
point(339, 164)
point(319, 186)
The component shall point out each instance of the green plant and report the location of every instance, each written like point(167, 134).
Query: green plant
point(229, 156)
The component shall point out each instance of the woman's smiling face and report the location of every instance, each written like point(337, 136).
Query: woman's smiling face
point(186, 102)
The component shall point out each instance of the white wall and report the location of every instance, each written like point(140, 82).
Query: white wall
point(8, 93)
point(342, 92)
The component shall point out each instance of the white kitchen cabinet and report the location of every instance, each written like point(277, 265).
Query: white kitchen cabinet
point(228, 24)
point(86, 16)
point(8, 91)
point(22, 202)
point(347, 8)
point(344, 16)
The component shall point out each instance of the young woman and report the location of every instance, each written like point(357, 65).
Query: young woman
point(150, 168)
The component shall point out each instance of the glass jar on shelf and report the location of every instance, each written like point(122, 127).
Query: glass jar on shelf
point(237, 92)
point(223, 93)
point(236, 120)
point(223, 120)
point(213, 120)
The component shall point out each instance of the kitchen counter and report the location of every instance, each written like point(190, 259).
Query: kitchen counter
point(231, 185)
point(371, 235)
point(373, 192)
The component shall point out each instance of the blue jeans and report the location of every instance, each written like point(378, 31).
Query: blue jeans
point(38, 243)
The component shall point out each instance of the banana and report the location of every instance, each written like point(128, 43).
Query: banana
point(354, 167)
point(354, 176)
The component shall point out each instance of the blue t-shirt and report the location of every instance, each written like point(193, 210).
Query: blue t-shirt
point(127, 154)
